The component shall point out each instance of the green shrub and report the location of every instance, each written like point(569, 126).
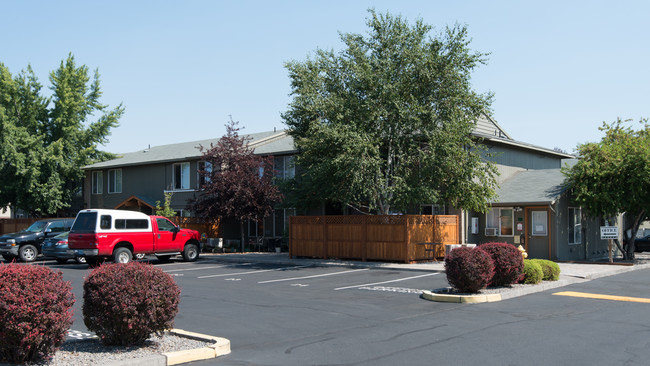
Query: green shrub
point(551, 269)
point(508, 263)
point(533, 273)
point(469, 269)
point(124, 304)
point(35, 312)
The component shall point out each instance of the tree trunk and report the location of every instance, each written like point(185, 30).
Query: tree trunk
point(241, 231)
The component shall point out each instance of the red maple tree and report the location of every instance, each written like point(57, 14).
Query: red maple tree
point(236, 183)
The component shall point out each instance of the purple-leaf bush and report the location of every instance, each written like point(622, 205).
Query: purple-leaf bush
point(508, 263)
point(35, 312)
point(125, 304)
point(469, 269)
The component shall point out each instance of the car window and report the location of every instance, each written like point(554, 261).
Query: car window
point(37, 227)
point(165, 225)
point(86, 222)
point(56, 227)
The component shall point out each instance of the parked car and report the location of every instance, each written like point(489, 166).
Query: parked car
point(57, 248)
point(642, 244)
point(121, 235)
point(26, 244)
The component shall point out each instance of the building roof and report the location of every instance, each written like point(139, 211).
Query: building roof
point(530, 187)
point(263, 143)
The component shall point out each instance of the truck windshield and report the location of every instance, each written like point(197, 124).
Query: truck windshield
point(86, 222)
point(36, 227)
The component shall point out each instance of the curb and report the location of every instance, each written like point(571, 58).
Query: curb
point(465, 299)
point(219, 347)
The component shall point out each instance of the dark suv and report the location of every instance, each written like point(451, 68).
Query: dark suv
point(26, 244)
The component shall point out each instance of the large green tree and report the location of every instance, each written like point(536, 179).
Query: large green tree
point(613, 176)
point(385, 124)
point(45, 140)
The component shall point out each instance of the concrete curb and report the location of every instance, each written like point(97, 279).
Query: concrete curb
point(219, 347)
point(465, 299)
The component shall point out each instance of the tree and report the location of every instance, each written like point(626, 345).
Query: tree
point(237, 183)
point(45, 141)
point(386, 123)
point(166, 210)
point(613, 176)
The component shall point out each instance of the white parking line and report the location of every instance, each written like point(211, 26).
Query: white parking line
point(381, 283)
point(258, 271)
point(193, 269)
point(314, 276)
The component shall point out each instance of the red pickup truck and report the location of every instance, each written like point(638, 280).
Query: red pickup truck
point(118, 235)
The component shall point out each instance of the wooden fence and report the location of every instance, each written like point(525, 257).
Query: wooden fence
point(15, 225)
point(372, 237)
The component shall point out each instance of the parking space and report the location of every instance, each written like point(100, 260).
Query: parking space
point(303, 276)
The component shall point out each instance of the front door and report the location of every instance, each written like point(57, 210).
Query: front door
point(538, 233)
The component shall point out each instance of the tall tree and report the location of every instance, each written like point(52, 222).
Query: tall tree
point(613, 176)
point(237, 183)
point(45, 141)
point(386, 123)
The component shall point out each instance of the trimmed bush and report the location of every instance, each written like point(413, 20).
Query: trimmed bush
point(468, 269)
point(125, 304)
point(551, 269)
point(35, 312)
point(508, 263)
point(533, 273)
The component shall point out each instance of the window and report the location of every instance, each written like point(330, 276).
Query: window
point(204, 173)
point(575, 225)
point(181, 177)
point(165, 225)
point(275, 225)
point(105, 222)
point(539, 223)
point(131, 224)
point(284, 167)
point(97, 182)
point(115, 181)
point(499, 221)
point(56, 227)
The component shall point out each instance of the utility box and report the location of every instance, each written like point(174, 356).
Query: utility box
point(215, 243)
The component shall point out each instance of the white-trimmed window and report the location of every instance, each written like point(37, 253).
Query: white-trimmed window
point(575, 225)
point(499, 222)
point(181, 176)
point(115, 181)
point(97, 182)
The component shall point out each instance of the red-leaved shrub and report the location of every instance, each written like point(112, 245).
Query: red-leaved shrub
point(508, 263)
point(468, 269)
point(124, 304)
point(35, 312)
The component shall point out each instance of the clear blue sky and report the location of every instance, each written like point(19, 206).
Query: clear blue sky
point(558, 69)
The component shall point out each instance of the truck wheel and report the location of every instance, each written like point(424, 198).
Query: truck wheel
point(62, 260)
point(80, 260)
point(28, 253)
point(190, 252)
point(122, 255)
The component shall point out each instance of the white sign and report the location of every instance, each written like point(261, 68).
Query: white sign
point(609, 232)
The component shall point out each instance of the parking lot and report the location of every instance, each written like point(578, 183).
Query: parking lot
point(300, 312)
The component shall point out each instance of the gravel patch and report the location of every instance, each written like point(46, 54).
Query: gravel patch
point(86, 352)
